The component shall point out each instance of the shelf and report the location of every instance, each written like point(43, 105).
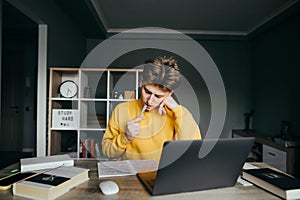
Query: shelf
point(63, 129)
point(63, 99)
point(92, 129)
point(98, 94)
point(93, 100)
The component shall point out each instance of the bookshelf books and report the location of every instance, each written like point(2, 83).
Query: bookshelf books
point(89, 149)
point(278, 183)
point(51, 184)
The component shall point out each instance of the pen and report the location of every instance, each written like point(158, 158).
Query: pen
point(40, 172)
point(143, 110)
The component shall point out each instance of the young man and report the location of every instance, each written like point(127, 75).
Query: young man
point(132, 135)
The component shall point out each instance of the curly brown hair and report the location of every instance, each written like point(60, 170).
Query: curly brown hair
point(163, 72)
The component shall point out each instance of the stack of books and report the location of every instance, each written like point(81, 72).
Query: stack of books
point(276, 182)
point(52, 177)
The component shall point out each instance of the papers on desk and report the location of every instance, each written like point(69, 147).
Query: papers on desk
point(249, 166)
point(242, 181)
point(125, 167)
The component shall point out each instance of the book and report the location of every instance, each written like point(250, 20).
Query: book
point(92, 148)
point(84, 149)
point(278, 183)
point(125, 167)
point(52, 183)
point(45, 162)
point(243, 181)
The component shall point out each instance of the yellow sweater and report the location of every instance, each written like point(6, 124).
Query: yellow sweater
point(177, 124)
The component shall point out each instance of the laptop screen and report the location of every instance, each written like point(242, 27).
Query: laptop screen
point(181, 169)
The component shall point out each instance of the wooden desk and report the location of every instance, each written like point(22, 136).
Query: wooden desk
point(131, 188)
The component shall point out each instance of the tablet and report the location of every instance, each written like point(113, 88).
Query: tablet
point(7, 181)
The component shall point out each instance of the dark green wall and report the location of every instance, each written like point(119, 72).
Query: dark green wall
point(66, 44)
point(0, 57)
point(259, 74)
point(276, 62)
point(233, 61)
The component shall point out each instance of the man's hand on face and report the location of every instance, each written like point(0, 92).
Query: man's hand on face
point(169, 102)
point(133, 128)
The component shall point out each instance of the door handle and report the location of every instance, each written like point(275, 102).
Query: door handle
point(15, 109)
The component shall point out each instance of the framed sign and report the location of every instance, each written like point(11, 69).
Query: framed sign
point(64, 118)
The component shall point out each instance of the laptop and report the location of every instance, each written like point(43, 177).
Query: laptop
point(182, 170)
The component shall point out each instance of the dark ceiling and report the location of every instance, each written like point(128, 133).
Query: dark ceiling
point(102, 18)
point(98, 18)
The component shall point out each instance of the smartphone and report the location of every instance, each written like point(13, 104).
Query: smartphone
point(8, 181)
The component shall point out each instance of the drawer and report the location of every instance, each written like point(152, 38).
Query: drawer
point(274, 157)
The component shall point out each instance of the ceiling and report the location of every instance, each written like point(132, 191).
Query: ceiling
point(197, 18)
point(100, 18)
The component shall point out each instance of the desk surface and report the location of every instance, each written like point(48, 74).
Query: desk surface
point(131, 188)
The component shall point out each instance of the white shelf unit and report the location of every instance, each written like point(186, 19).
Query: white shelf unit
point(94, 103)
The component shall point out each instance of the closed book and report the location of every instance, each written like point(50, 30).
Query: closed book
point(278, 183)
point(45, 162)
point(51, 184)
point(84, 149)
point(92, 148)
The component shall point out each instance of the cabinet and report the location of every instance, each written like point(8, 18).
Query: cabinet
point(266, 150)
point(76, 125)
point(275, 157)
